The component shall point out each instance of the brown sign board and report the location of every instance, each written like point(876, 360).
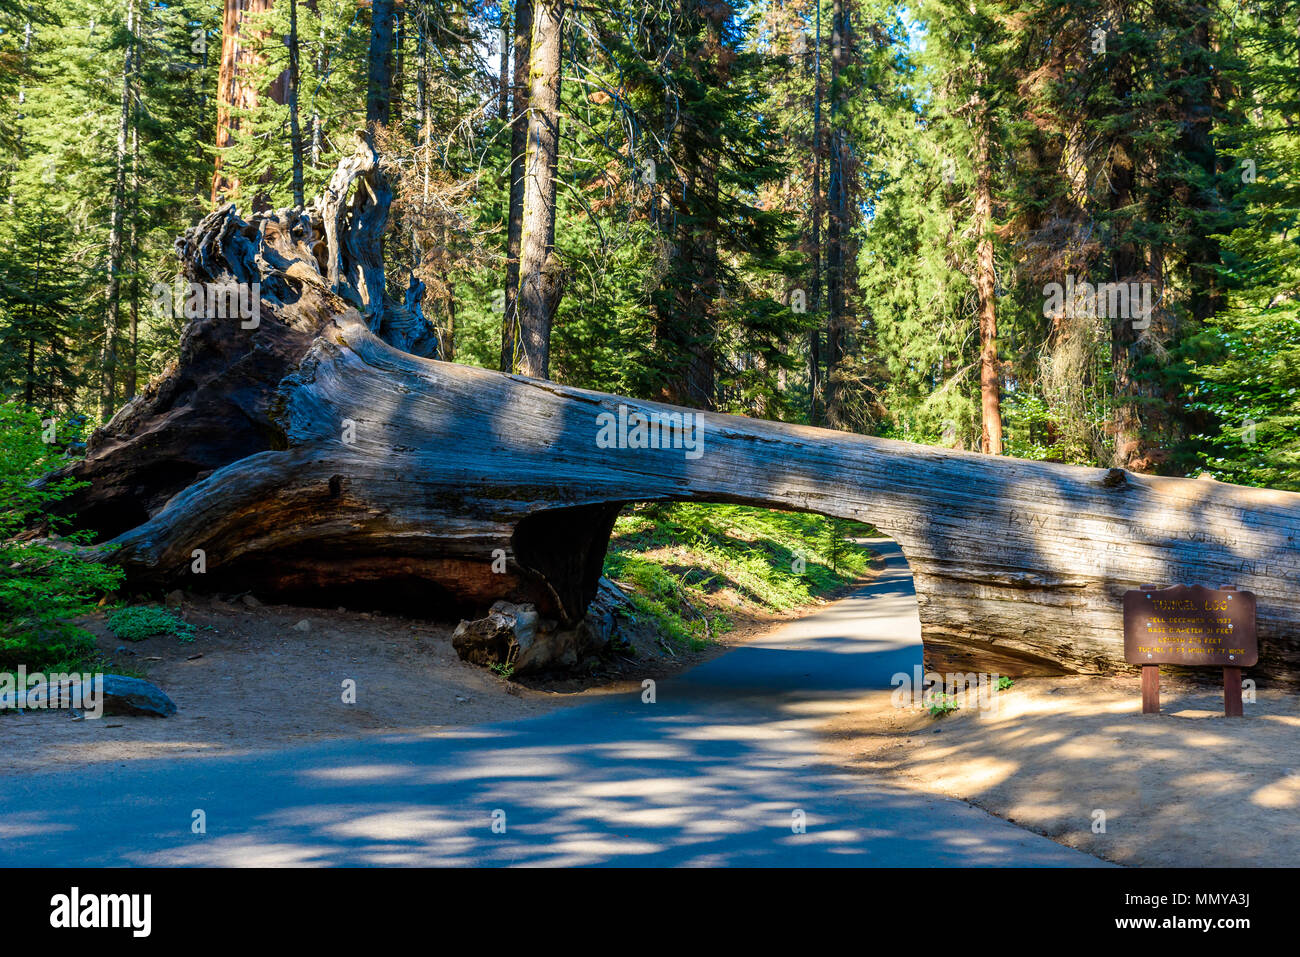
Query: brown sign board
point(1190, 625)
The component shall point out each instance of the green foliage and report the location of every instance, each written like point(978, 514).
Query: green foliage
point(675, 556)
point(41, 585)
point(1197, 102)
point(332, 40)
point(1245, 384)
point(943, 704)
point(58, 185)
point(1004, 683)
point(139, 622)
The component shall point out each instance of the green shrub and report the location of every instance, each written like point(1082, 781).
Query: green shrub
point(41, 585)
point(148, 621)
point(61, 647)
point(943, 704)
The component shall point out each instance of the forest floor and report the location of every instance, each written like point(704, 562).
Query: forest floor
point(702, 579)
point(250, 680)
point(1185, 788)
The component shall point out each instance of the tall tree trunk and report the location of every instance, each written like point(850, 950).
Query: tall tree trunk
point(113, 294)
point(236, 86)
point(1196, 144)
point(379, 71)
point(295, 131)
point(815, 337)
point(540, 279)
point(837, 209)
point(686, 320)
point(1125, 265)
point(986, 285)
point(518, 143)
point(132, 366)
point(503, 67)
point(316, 131)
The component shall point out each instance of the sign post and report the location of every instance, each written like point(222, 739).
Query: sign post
point(1190, 625)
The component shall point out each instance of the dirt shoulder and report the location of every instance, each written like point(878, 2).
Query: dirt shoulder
point(250, 680)
point(1185, 788)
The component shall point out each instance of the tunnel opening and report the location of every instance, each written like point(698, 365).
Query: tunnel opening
point(703, 570)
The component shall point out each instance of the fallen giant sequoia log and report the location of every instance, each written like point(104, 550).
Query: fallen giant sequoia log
point(318, 462)
point(1020, 566)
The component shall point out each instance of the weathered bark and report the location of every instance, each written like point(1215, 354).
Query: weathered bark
point(1019, 566)
point(212, 407)
point(1125, 350)
point(310, 459)
point(540, 272)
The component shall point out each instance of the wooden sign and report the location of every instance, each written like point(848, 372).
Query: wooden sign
point(1190, 625)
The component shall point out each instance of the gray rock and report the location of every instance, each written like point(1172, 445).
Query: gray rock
point(123, 695)
point(303, 625)
point(251, 602)
point(174, 598)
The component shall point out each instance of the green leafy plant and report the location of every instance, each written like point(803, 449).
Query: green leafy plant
point(943, 704)
point(1005, 683)
point(43, 582)
point(505, 669)
point(148, 621)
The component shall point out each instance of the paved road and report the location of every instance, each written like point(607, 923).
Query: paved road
point(712, 773)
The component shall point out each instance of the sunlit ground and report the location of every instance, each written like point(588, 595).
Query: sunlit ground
point(1183, 788)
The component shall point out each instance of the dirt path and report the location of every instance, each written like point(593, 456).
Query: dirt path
point(249, 681)
point(717, 768)
point(1186, 788)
